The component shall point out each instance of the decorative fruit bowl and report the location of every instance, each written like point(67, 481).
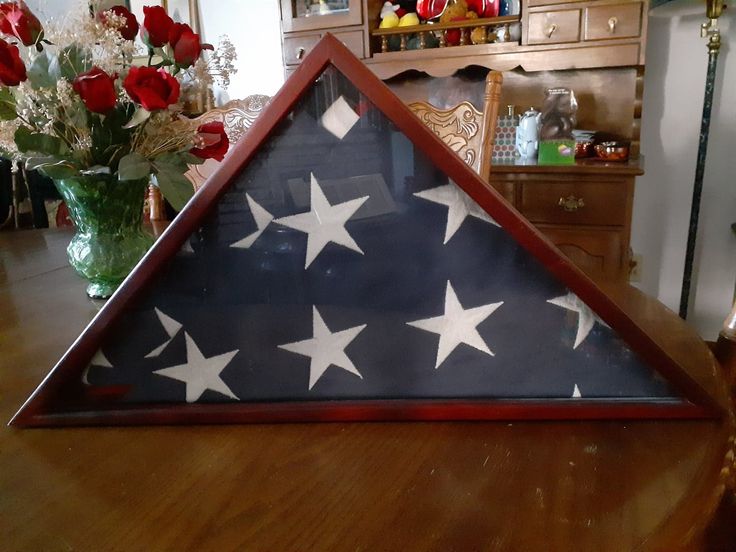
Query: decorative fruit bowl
point(612, 151)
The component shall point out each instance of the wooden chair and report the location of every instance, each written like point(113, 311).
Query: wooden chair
point(237, 116)
point(467, 131)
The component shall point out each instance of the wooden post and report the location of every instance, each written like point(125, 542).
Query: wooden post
point(725, 350)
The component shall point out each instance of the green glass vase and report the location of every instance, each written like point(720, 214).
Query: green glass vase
point(109, 239)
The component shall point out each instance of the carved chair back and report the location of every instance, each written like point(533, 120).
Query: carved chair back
point(237, 116)
point(467, 131)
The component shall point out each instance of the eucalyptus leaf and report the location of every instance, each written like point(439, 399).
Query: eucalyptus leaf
point(28, 141)
point(191, 159)
point(97, 169)
point(175, 187)
point(173, 161)
point(133, 167)
point(140, 116)
point(70, 62)
point(53, 167)
point(44, 71)
point(7, 105)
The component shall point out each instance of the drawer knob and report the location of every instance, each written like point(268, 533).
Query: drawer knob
point(571, 203)
point(612, 22)
point(551, 29)
point(300, 52)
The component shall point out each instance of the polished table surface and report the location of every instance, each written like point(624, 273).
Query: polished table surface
point(583, 486)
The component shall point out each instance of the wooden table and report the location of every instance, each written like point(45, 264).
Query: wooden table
point(583, 486)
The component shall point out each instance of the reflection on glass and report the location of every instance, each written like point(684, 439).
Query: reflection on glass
point(343, 264)
point(308, 8)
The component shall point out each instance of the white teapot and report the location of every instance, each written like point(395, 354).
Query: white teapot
point(527, 134)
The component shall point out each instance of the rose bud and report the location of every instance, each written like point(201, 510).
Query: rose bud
point(130, 29)
point(185, 44)
point(151, 88)
point(17, 20)
point(12, 70)
point(211, 141)
point(97, 90)
point(156, 26)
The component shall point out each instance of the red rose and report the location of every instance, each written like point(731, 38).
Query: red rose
point(152, 88)
point(130, 30)
point(185, 44)
point(17, 20)
point(97, 90)
point(156, 26)
point(12, 70)
point(211, 141)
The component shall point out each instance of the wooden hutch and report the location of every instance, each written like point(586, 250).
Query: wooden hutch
point(594, 47)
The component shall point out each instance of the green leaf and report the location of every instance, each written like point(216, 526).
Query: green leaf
point(70, 62)
point(140, 116)
point(175, 187)
point(191, 159)
point(53, 167)
point(110, 140)
point(174, 161)
point(46, 144)
point(7, 105)
point(133, 167)
point(44, 71)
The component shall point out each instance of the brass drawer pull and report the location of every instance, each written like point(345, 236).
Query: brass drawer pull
point(612, 22)
point(300, 52)
point(551, 29)
point(571, 203)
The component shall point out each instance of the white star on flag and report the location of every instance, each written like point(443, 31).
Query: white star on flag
point(171, 327)
point(339, 118)
point(262, 217)
point(324, 223)
point(325, 348)
point(586, 317)
point(460, 206)
point(457, 325)
point(200, 373)
point(98, 360)
point(576, 394)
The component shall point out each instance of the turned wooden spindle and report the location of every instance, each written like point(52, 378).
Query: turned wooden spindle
point(156, 203)
point(725, 349)
point(384, 44)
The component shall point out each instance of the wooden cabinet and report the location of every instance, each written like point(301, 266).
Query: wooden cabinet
point(595, 47)
point(585, 209)
point(310, 15)
point(612, 21)
point(554, 27)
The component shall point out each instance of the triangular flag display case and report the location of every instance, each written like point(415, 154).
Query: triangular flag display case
point(344, 264)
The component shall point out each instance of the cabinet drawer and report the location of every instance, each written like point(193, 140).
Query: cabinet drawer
point(613, 21)
point(592, 203)
point(553, 27)
point(599, 253)
point(296, 48)
point(353, 40)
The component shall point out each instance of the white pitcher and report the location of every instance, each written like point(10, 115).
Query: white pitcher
point(527, 134)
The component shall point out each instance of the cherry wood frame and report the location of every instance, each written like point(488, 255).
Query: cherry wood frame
point(704, 401)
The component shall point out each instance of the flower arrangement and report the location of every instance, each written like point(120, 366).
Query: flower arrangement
point(73, 102)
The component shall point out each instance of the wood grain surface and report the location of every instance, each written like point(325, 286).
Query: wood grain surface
point(547, 486)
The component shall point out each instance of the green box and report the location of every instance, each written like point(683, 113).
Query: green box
point(556, 152)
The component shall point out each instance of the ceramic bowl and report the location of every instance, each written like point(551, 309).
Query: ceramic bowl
point(612, 151)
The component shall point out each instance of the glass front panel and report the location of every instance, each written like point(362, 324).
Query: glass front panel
point(342, 264)
point(313, 8)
